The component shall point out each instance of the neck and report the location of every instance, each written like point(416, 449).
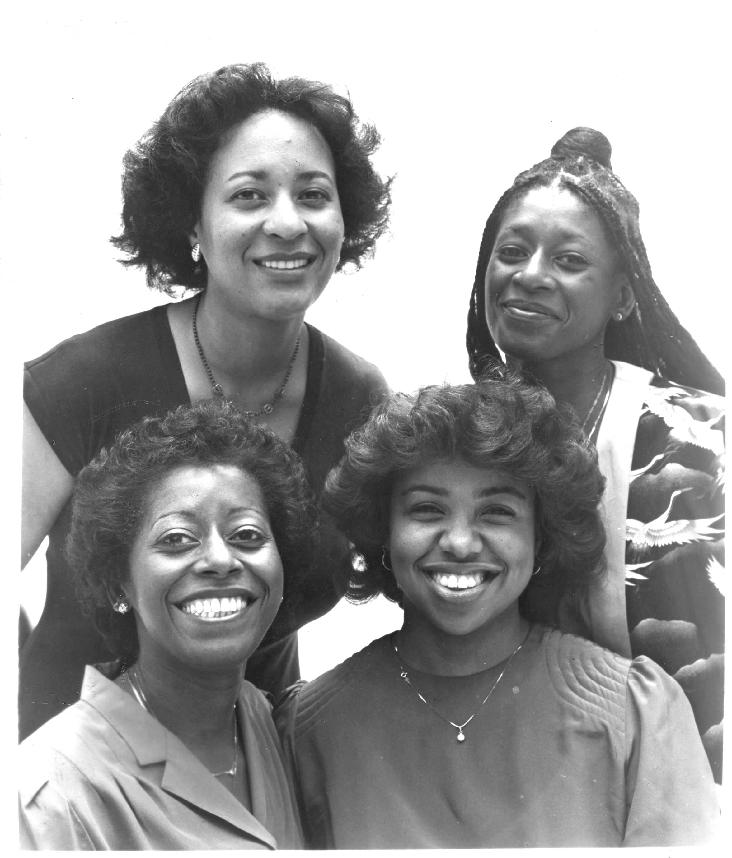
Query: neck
point(245, 351)
point(573, 379)
point(195, 705)
point(429, 649)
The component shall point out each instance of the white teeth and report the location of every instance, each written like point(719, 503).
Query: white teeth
point(209, 609)
point(459, 582)
point(284, 264)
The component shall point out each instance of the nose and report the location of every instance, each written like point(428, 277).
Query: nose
point(218, 557)
point(284, 219)
point(535, 273)
point(460, 539)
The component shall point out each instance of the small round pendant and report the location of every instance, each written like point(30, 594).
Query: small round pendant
point(461, 736)
point(267, 408)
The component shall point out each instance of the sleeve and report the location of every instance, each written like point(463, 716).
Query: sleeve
point(285, 715)
point(50, 821)
point(672, 799)
point(677, 601)
point(55, 403)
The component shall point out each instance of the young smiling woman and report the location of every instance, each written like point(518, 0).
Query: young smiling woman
point(179, 536)
point(473, 726)
point(563, 290)
point(461, 549)
point(251, 192)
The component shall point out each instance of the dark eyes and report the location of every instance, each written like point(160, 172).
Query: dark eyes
point(315, 195)
point(177, 539)
point(243, 537)
point(499, 511)
point(248, 537)
point(572, 261)
point(428, 511)
point(425, 510)
point(249, 195)
point(513, 253)
point(310, 197)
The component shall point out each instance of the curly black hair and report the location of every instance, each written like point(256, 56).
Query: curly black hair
point(501, 422)
point(110, 493)
point(651, 336)
point(165, 174)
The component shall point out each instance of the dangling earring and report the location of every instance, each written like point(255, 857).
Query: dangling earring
point(121, 605)
point(383, 559)
point(358, 561)
point(196, 252)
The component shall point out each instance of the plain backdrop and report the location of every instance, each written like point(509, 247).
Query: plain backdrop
point(465, 95)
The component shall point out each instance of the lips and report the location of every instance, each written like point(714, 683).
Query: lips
point(209, 606)
point(527, 309)
point(461, 577)
point(285, 261)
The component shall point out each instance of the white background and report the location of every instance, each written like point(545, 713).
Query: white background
point(465, 95)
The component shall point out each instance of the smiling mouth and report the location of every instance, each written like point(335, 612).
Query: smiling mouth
point(283, 264)
point(214, 608)
point(460, 581)
point(523, 310)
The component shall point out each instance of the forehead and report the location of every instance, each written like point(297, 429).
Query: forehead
point(203, 488)
point(554, 207)
point(456, 476)
point(269, 139)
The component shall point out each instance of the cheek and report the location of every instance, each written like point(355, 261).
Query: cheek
point(491, 287)
point(524, 547)
point(406, 545)
point(273, 575)
point(334, 234)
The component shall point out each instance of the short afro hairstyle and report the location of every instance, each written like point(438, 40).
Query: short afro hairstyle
point(165, 174)
point(111, 491)
point(501, 422)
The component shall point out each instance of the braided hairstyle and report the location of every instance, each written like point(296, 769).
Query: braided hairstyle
point(651, 336)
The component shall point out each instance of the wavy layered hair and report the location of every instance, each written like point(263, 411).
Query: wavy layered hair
point(166, 172)
point(651, 336)
point(111, 492)
point(502, 423)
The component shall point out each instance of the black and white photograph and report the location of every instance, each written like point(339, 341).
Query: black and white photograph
point(369, 469)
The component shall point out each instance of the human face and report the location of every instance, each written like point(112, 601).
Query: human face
point(270, 227)
point(205, 577)
point(462, 546)
point(553, 279)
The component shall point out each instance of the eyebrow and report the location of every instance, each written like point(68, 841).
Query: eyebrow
point(522, 228)
point(483, 493)
point(261, 175)
point(190, 514)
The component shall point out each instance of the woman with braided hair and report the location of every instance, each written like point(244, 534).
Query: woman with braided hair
point(563, 290)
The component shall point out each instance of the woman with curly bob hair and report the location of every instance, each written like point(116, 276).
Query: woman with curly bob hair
point(180, 531)
point(475, 725)
point(252, 192)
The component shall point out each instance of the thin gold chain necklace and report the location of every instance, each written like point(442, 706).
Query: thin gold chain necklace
point(404, 674)
point(139, 695)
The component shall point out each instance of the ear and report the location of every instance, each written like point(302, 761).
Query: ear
point(193, 235)
point(626, 298)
